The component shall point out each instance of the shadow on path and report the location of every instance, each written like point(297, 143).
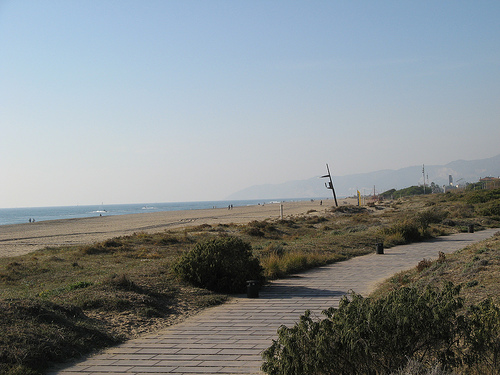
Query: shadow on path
point(283, 292)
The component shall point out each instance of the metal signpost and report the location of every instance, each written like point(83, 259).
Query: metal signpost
point(329, 185)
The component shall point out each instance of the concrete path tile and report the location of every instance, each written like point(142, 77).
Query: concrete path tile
point(230, 338)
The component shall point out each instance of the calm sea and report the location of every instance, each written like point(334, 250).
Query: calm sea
point(23, 215)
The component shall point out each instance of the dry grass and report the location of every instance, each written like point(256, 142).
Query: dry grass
point(476, 268)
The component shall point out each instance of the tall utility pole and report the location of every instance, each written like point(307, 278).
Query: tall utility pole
point(329, 185)
point(423, 174)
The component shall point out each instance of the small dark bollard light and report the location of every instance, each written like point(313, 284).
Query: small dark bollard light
point(252, 289)
point(471, 228)
point(380, 248)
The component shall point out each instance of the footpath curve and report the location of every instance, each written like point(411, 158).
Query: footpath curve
point(230, 338)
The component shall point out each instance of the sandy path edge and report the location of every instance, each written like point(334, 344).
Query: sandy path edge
point(19, 239)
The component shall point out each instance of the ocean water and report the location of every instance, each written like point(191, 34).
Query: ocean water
point(23, 215)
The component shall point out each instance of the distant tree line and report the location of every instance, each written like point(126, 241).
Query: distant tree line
point(412, 190)
point(432, 188)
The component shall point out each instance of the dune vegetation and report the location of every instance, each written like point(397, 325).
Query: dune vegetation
point(61, 303)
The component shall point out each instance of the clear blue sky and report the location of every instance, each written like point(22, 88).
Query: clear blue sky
point(121, 101)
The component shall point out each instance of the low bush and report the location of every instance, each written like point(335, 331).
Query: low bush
point(261, 228)
point(483, 336)
point(423, 264)
point(112, 242)
point(404, 232)
point(94, 249)
point(492, 209)
point(462, 211)
point(431, 216)
point(482, 196)
point(167, 239)
point(273, 249)
point(379, 336)
point(254, 231)
point(277, 266)
point(221, 264)
point(315, 219)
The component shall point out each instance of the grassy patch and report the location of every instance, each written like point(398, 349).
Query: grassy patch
point(475, 268)
point(37, 332)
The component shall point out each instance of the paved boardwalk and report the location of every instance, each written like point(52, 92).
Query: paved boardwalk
point(229, 339)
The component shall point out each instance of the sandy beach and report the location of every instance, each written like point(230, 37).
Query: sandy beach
point(21, 239)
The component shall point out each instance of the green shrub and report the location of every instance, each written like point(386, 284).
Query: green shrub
point(221, 264)
point(408, 231)
point(377, 336)
point(482, 196)
point(393, 239)
point(388, 194)
point(490, 209)
point(431, 216)
point(482, 335)
point(461, 211)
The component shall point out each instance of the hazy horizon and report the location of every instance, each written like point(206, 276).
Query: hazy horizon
point(180, 101)
point(323, 193)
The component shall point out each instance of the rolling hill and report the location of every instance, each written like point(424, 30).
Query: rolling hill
point(461, 170)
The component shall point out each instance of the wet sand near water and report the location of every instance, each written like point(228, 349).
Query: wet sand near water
point(21, 239)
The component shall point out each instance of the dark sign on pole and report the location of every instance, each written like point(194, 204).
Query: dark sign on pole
point(329, 185)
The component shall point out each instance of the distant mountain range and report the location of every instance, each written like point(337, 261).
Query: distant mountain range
point(461, 171)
